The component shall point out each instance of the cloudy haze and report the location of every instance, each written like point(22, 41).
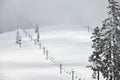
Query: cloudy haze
point(52, 12)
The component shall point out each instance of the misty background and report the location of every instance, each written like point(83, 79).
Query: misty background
point(27, 13)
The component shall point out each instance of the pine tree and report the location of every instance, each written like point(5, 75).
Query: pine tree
point(109, 61)
point(111, 32)
point(95, 58)
point(18, 39)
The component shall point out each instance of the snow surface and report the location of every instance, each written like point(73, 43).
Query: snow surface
point(69, 47)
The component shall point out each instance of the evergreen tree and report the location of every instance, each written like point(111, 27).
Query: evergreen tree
point(95, 58)
point(111, 32)
point(109, 49)
point(18, 39)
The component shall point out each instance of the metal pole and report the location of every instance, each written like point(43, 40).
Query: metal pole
point(98, 75)
point(60, 68)
point(73, 74)
point(46, 54)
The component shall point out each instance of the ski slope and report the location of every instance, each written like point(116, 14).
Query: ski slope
point(69, 47)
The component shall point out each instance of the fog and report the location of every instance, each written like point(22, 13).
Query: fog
point(16, 13)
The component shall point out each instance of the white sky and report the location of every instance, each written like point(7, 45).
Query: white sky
point(81, 12)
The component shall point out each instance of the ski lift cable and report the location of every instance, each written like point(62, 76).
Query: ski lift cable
point(52, 59)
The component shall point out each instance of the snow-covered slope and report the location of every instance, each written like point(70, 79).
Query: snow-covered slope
point(70, 47)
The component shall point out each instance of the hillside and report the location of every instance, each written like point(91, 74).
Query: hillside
point(69, 47)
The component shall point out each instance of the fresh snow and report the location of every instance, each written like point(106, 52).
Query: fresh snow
point(69, 47)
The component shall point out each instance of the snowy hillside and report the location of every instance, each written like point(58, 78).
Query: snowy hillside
point(69, 47)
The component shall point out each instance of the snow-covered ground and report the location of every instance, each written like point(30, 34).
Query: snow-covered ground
point(70, 47)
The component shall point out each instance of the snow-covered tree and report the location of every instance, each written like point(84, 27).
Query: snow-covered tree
point(95, 58)
point(18, 39)
point(111, 32)
point(109, 56)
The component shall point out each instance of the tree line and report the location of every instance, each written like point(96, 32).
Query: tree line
point(105, 58)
